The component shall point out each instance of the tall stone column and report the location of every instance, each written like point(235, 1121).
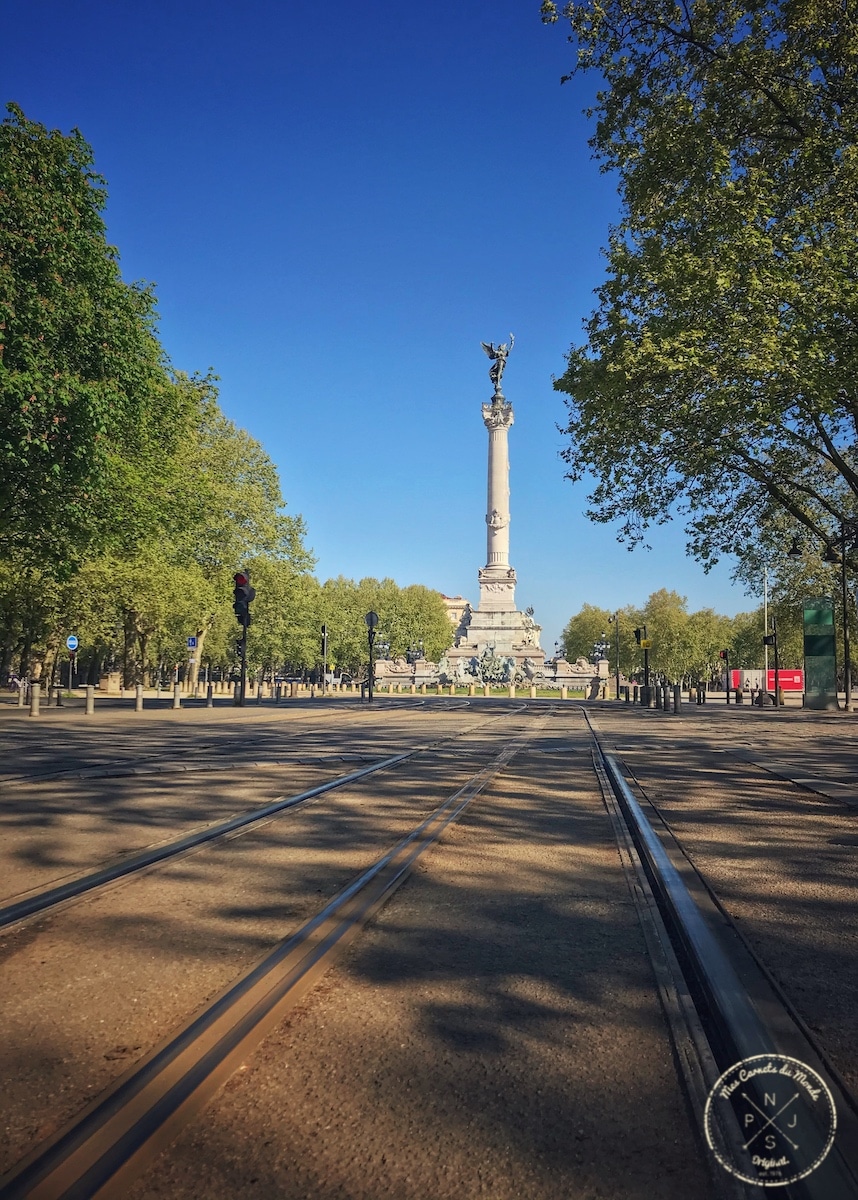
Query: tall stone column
point(497, 578)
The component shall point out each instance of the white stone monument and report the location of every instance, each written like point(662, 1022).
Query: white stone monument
point(496, 628)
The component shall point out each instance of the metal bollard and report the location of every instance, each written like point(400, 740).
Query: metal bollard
point(59, 696)
point(22, 693)
point(138, 698)
point(177, 695)
point(209, 696)
point(677, 698)
point(89, 707)
point(35, 691)
point(665, 698)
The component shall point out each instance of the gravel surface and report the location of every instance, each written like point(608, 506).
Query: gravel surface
point(494, 1033)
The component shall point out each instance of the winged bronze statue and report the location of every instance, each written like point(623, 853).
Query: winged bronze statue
point(498, 355)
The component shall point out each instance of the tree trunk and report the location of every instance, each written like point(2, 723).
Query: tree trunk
point(143, 641)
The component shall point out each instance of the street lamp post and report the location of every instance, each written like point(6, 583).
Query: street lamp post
point(848, 541)
point(615, 621)
point(600, 650)
point(771, 639)
point(415, 654)
point(847, 667)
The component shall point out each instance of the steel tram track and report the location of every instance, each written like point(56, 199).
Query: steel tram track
point(141, 763)
point(51, 898)
point(99, 1153)
point(717, 1012)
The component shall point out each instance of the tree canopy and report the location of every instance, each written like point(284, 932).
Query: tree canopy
point(128, 499)
point(87, 405)
point(685, 646)
point(718, 376)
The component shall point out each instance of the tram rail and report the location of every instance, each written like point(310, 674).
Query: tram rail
point(50, 898)
point(144, 763)
point(733, 1018)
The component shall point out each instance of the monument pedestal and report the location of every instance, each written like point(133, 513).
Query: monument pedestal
point(499, 633)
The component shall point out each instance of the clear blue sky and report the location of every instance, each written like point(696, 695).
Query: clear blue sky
point(337, 204)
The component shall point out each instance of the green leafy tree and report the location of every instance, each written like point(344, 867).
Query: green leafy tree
point(583, 631)
point(718, 373)
point(86, 403)
point(406, 616)
point(286, 629)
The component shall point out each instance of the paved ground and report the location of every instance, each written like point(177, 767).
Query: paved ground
point(496, 1031)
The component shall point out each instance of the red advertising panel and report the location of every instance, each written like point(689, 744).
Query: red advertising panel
point(790, 681)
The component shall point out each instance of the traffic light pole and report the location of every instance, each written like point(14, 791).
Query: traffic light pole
point(242, 685)
point(371, 620)
point(242, 594)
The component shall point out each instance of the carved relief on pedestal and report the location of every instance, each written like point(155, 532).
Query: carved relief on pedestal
point(497, 520)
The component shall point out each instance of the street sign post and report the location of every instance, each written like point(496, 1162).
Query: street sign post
point(72, 644)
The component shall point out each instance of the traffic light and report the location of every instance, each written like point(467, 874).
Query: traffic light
point(243, 593)
point(724, 654)
point(769, 639)
point(324, 642)
point(638, 636)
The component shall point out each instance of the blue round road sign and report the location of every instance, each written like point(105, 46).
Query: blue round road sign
point(72, 642)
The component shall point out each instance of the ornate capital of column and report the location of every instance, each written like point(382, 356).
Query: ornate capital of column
point(498, 414)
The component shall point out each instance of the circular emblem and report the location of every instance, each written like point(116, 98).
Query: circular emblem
point(770, 1120)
